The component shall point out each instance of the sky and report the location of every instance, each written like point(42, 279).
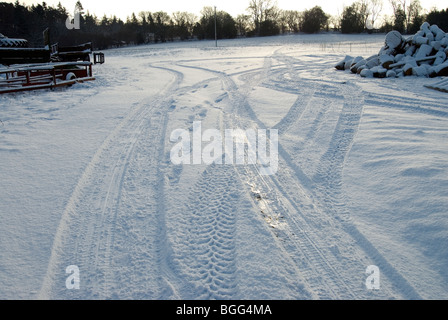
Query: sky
point(124, 8)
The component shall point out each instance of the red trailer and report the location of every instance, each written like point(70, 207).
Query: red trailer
point(44, 76)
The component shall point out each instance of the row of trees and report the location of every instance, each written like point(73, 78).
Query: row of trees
point(263, 18)
point(407, 17)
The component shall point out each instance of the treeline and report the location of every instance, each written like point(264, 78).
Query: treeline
point(407, 17)
point(263, 18)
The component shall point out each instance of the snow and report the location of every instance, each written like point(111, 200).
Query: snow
point(87, 181)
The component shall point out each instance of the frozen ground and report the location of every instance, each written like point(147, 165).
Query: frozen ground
point(86, 178)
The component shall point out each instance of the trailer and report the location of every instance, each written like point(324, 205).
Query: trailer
point(6, 42)
point(44, 76)
point(73, 53)
point(16, 51)
point(11, 56)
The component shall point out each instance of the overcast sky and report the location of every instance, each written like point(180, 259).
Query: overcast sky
point(124, 8)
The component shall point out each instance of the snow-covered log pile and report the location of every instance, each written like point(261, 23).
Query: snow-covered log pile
point(423, 54)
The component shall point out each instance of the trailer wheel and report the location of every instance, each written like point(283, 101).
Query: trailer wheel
point(70, 76)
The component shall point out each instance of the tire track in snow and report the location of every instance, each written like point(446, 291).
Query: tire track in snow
point(328, 180)
point(237, 103)
point(92, 245)
point(143, 259)
point(285, 214)
point(327, 274)
point(71, 216)
point(209, 253)
point(306, 91)
point(434, 108)
point(309, 257)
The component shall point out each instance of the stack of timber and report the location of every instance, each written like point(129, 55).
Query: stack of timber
point(423, 54)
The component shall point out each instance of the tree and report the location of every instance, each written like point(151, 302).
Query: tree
point(161, 25)
point(226, 26)
point(400, 20)
point(374, 10)
point(335, 21)
point(293, 20)
point(440, 18)
point(354, 18)
point(415, 17)
point(264, 14)
point(407, 14)
point(78, 7)
point(269, 26)
point(242, 24)
point(314, 20)
point(183, 24)
point(363, 11)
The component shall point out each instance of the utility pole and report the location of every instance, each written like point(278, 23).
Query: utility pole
point(216, 34)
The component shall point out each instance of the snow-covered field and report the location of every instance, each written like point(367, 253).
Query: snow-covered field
point(86, 179)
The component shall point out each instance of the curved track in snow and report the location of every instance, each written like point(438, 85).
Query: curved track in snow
point(314, 234)
point(140, 227)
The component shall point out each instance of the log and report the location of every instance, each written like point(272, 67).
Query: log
point(379, 72)
point(407, 69)
point(372, 62)
point(424, 51)
point(356, 60)
point(442, 70)
point(420, 40)
point(402, 63)
point(444, 42)
point(440, 58)
point(425, 26)
point(420, 71)
point(410, 51)
point(393, 39)
point(430, 36)
point(437, 45)
point(391, 74)
point(341, 64)
point(366, 73)
point(354, 68)
point(386, 60)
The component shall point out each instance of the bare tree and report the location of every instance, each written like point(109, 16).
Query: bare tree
point(397, 5)
point(364, 10)
point(291, 19)
point(375, 8)
point(262, 10)
point(335, 21)
point(185, 21)
point(411, 8)
point(413, 12)
point(242, 24)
